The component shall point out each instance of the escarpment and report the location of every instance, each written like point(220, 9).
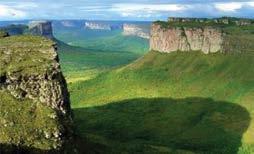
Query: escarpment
point(207, 40)
point(41, 28)
point(205, 35)
point(34, 104)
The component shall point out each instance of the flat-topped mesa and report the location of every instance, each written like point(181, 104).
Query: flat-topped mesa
point(201, 34)
point(41, 28)
point(223, 20)
point(34, 104)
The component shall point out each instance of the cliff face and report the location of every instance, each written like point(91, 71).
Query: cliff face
point(136, 30)
point(206, 39)
point(41, 28)
point(35, 106)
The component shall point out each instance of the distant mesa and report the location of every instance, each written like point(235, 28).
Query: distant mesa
point(15, 29)
point(41, 28)
point(200, 34)
point(67, 23)
point(94, 25)
point(139, 30)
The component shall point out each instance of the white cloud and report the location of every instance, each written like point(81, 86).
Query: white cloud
point(250, 4)
point(7, 12)
point(130, 7)
point(232, 6)
point(145, 10)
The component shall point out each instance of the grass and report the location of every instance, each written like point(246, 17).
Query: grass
point(129, 109)
point(89, 57)
point(24, 123)
point(25, 54)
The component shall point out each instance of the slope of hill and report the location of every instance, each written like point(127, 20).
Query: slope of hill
point(149, 105)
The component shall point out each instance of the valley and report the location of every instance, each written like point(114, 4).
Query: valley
point(189, 89)
point(135, 106)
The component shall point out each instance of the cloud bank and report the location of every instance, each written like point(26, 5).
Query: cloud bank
point(123, 9)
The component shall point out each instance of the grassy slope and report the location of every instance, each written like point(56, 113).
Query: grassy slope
point(99, 54)
point(155, 79)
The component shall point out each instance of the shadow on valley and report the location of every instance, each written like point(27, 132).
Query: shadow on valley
point(164, 125)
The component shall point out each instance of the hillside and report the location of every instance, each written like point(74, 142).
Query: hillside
point(179, 102)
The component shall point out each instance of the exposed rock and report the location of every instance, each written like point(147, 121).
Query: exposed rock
point(206, 39)
point(99, 25)
point(34, 95)
point(137, 30)
point(41, 28)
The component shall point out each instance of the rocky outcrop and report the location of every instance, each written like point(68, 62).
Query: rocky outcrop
point(136, 30)
point(41, 28)
point(205, 39)
point(31, 83)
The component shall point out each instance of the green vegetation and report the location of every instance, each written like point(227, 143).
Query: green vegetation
point(3, 34)
point(130, 109)
point(27, 124)
point(239, 39)
point(25, 54)
point(202, 22)
point(90, 57)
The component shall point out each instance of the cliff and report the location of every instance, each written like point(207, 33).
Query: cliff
point(41, 28)
point(207, 39)
point(136, 30)
point(206, 35)
point(35, 106)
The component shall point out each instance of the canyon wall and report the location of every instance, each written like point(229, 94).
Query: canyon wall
point(205, 39)
point(41, 28)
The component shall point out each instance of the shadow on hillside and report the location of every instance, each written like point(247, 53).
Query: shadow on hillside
point(12, 149)
point(165, 125)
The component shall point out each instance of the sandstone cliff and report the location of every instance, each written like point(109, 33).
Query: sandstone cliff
point(205, 39)
point(34, 104)
point(41, 28)
point(226, 34)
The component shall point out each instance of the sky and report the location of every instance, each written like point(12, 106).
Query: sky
point(139, 10)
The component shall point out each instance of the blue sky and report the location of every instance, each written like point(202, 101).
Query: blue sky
point(122, 9)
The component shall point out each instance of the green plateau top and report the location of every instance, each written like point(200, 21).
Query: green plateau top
point(203, 22)
point(26, 54)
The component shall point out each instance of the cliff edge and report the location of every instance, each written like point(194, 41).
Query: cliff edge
point(34, 104)
point(205, 35)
